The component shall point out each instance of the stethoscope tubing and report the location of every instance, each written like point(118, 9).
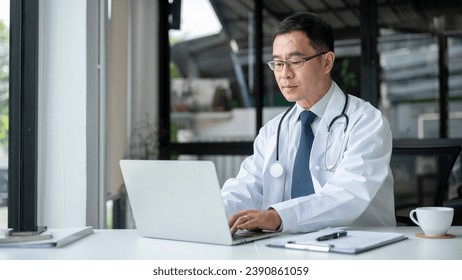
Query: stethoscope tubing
point(277, 166)
point(279, 130)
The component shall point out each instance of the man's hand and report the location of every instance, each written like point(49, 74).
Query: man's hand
point(253, 220)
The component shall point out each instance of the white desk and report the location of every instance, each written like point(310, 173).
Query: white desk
point(127, 245)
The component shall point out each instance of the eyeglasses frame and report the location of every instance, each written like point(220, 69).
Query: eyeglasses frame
point(288, 62)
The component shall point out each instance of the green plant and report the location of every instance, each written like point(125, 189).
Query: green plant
point(4, 86)
point(349, 79)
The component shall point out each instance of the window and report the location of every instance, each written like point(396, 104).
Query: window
point(409, 64)
point(410, 85)
point(4, 117)
point(213, 100)
point(211, 77)
point(455, 86)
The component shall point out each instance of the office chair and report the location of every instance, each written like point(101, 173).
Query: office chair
point(421, 176)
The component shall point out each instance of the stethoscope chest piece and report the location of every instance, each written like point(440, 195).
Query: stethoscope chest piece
point(276, 169)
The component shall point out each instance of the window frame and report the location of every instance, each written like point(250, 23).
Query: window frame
point(23, 116)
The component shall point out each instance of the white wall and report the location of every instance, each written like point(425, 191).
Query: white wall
point(132, 80)
point(62, 113)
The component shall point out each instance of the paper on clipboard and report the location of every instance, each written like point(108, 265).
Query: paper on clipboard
point(354, 242)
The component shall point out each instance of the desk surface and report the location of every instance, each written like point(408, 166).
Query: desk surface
point(128, 245)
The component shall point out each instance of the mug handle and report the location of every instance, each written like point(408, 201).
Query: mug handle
point(411, 215)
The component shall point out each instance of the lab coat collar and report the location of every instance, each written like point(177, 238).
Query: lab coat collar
point(334, 106)
point(319, 108)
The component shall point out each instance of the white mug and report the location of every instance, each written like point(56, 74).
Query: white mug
point(434, 221)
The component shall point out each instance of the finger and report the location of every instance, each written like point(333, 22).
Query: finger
point(238, 223)
point(236, 216)
point(232, 221)
point(233, 229)
point(250, 224)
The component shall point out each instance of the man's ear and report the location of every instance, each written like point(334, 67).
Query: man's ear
point(329, 61)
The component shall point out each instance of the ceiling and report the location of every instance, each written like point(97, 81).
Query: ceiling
point(210, 56)
point(343, 15)
point(414, 16)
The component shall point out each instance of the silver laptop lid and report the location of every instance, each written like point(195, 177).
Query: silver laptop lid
point(177, 200)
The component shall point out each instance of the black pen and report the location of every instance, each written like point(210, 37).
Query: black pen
point(332, 236)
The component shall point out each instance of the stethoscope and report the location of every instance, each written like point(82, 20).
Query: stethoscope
point(276, 169)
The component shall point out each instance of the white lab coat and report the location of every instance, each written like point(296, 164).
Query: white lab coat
point(358, 193)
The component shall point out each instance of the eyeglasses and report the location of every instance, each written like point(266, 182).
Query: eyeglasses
point(295, 63)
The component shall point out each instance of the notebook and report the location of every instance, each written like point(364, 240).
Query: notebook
point(180, 200)
point(55, 237)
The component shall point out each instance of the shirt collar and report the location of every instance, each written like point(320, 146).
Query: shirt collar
point(319, 108)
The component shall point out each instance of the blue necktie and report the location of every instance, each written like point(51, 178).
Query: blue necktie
point(302, 184)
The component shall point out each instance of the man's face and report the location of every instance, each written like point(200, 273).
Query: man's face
point(307, 83)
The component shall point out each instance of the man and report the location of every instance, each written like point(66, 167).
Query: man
point(341, 179)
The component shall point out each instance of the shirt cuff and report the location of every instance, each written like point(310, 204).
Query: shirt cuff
point(281, 226)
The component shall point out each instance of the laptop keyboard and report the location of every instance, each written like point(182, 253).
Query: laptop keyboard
point(247, 233)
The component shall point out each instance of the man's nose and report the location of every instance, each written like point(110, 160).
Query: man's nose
point(286, 72)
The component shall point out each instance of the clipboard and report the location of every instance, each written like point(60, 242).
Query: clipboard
point(353, 242)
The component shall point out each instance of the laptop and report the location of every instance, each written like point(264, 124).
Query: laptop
point(180, 200)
